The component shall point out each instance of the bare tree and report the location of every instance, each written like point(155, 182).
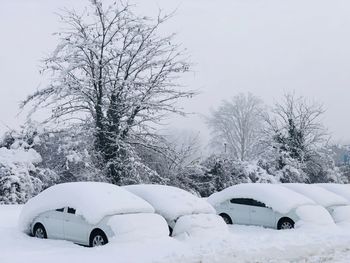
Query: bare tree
point(236, 126)
point(113, 70)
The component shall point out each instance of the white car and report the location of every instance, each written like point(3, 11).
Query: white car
point(337, 206)
point(90, 214)
point(183, 211)
point(267, 205)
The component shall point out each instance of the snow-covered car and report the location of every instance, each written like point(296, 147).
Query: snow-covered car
point(267, 205)
point(337, 206)
point(90, 213)
point(183, 211)
point(340, 189)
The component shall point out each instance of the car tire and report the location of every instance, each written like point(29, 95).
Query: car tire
point(39, 231)
point(98, 238)
point(226, 218)
point(285, 223)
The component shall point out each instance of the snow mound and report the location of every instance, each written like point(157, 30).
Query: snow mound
point(340, 189)
point(341, 214)
point(313, 214)
point(138, 226)
point(320, 195)
point(171, 202)
point(201, 223)
point(275, 196)
point(91, 200)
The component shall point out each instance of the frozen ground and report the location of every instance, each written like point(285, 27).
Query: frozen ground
point(243, 244)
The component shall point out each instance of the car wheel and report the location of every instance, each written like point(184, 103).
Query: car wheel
point(98, 238)
point(285, 223)
point(227, 219)
point(39, 231)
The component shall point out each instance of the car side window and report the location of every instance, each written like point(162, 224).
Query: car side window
point(257, 203)
point(71, 210)
point(241, 201)
point(60, 209)
point(247, 201)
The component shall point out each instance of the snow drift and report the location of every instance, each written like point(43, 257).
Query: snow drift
point(138, 226)
point(91, 200)
point(275, 196)
point(340, 189)
point(320, 195)
point(171, 202)
point(194, 224)
point(313, 214)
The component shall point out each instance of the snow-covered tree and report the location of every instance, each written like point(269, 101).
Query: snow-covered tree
point(295, 127)
point(113, 72)
point(236, 126)
point(294, 136)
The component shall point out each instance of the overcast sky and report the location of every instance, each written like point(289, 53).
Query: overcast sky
point(267, 47)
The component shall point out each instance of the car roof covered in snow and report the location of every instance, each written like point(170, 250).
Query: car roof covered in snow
point(92, 200)
point(320, 195)
point(171, 202)
point(340, 189)
point(275, 196)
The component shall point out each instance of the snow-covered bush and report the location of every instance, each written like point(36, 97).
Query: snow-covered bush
point(18, 174)
point(321, 168)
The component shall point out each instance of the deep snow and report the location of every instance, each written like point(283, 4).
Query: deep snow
point(243, 244)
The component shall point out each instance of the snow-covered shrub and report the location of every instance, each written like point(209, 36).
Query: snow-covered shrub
point(321, 168)
point(225, 171)
point(218, 172)
point(18, 175)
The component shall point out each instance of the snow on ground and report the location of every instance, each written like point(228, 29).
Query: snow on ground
point(242, 244)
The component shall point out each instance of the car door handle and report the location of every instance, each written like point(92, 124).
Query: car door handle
point(253, 211)
point(66, 220)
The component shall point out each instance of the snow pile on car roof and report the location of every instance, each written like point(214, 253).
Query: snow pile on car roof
point(200, 224)
point(171, 202)
point(92, 200)
point(138, 226)
point(275, 196)
point(340, 189)
point(320, 195)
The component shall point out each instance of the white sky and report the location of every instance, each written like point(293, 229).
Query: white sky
point(266, 47)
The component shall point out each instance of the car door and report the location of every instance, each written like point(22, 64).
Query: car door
point(240, 210)
point(261, 215)
point(53, 223)
point(75, 227)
